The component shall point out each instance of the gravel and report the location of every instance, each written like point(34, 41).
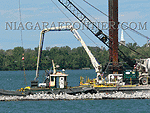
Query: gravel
point(88, 96)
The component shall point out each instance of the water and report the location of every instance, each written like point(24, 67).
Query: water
point(12, 80)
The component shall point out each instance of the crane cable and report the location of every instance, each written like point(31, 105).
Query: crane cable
point(75, 25)
point(123, 24)
point(22, 46)
point(88, 37)
point(105, 32)
point(83, 32)
point(20, 21)
point(88, 14)
point(121, 28)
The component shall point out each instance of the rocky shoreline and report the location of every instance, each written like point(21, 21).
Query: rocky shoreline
point(83, 96)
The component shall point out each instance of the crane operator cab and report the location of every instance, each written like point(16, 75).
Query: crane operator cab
point(51, 79)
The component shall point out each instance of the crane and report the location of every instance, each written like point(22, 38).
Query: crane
point(63, 28)
point(115, 69)
point(94, 30)
point(96, 65)
point(143, 65)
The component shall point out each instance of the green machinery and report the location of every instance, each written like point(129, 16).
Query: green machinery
point(131, 77)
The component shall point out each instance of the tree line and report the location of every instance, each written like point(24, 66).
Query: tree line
point(65, 57)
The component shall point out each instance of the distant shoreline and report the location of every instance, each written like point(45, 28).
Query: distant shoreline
point(43, 69)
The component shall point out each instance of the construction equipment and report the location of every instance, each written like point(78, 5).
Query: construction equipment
point(143, 67)
point(63, 28)
point(96, 65)
point(115, 68)
point(115, 71)
point(140, 74)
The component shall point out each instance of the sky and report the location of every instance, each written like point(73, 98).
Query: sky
point(33, 11)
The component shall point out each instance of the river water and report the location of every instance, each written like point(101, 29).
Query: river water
point(12, 80)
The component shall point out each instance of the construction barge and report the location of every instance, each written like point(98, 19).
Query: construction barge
point(114, 78)
point(129, 81)
point(50, 86)
point(89, 89)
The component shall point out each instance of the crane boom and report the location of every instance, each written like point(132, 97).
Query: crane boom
point(84, 19)
point(94, 29)
point(94, 62)
point(63, 28)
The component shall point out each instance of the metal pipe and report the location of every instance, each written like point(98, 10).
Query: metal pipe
point(61, 28)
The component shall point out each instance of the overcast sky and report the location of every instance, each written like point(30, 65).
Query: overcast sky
point(34, 11)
